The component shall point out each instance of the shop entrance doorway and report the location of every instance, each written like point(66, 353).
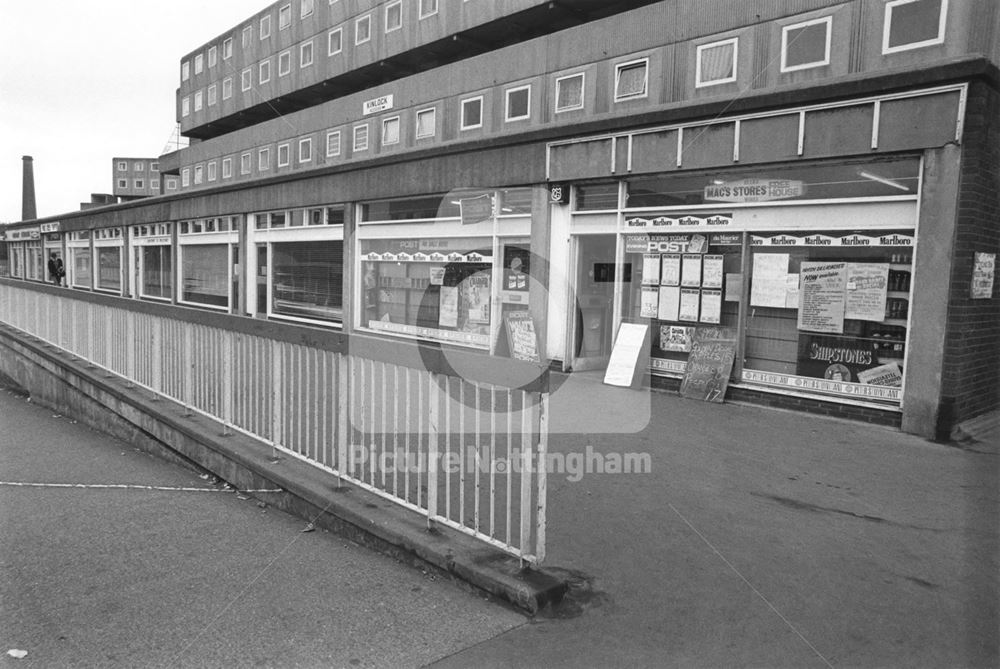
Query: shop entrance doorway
point(592, 306)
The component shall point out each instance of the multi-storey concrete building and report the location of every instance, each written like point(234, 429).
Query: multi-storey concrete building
point(135, 178)
point(817, 177)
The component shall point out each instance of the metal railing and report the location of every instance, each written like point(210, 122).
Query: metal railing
point(393, 417)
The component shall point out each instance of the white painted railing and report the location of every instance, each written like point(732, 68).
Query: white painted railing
point(383, 415)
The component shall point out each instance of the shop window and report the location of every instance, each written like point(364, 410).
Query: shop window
point(390, 131)
point(205, 274)
point(569, 92)
point(912, 24)
point(333, 143)
point(426, 120)
point(597, 197)
point(421, 208)
point(227, 48)
point(363, 29)
point(716, 63)
point(109, 268)
point(284, 17)
point(308, 279)
point(393, 16)
point(199, 64)
point(630, 80)
point(361, 138)
point(305, 150)
point(157, 267)
point(213, 56)
point(284, 155)
point(213, 94)
point(806, 45)
point(472, 113)
point(81, 265)
point(227, 88)
point(284, 63)
point(335, 41)
point(246, 80)
point(265, 71)
point(227, 168)
point(428, 8)
point(265, 26)
point(518, 103)
point(306, 54)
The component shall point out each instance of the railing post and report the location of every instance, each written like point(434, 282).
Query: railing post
point(542, 475)
point(527, 436)
point(432, 448)
point(343, 417)
point(157, 380)
point(187, 359)
point(277, 409)
point(109, 340)
point(227, 383)
point(130, 346)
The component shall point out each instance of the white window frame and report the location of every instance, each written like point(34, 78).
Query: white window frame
point(123, 166)
point(199, 63)
point(185, 106)
point(357, 145)
point(828, 20)
point(306, 8)
point(185, 177)
point(339, 32)
point(702, 48)
point(284, 63)
point(154, 167)
point(461, 112)
point(213, 95)
point(123, 183)
point(887, 25)
point(583, 92)
point(399, 130)
point(305, 150)
point(286, 159)
point(227, 168)
point(199, 100)
point(264, 159)
point(429, 13)
point(154, 184)
point(620, 67)
point(139, 184)
point(246, 162)
point(264, 71)
point(246, 79)
point(171, 183)
point(139, 167)
point(389, 6)
point(213, 56)
point(185, 70)
point(265, 27)
point(285, 17)
point(247, 37)
point(227, 88)
point(303, 49)
point(506, 105)
point(212, 170)
point(199, 174)
point(367, 21)
point(416, 124)
point(227, 48)
point(333, 150)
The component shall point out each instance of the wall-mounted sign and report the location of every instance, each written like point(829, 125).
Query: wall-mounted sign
point(476, 209)
point(666, 244)
point(23, 234)
point(828, 240)
point(754, 190)
point(376, 105)
point(680, 222)
point(49, 227)
point(559, 194)
point(983, 271)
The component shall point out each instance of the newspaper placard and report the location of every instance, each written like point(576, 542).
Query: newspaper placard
point(671, 274)
point(649, 302)
point(670, 303)
point(711, 306)
point(822, 297)
point(690, 302)
point(867, 285)
point(768, 287)
point(691, 270)
point(711, 272)
point(983, 271)
point(650, 269)
point(884, 375)
point(676, 338)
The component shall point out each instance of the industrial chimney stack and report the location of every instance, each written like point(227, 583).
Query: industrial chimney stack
point(28, 211)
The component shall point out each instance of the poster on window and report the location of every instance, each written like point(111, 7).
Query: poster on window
point(649, 302)
point(984, 267)
point(711, 306)
point(690, 302)
point(448, 307)
point(676, 338)
point(883, 375)
point(867, 285)
point(650, 269)
point(822, 298)
point(712, 272)
point(691, 270)
point(768, 287)
point(670, 303)
point(475, 292)
point(671, 275)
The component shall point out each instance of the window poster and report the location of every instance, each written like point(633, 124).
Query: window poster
point(649, 302)
point(670, 302)
point(792, 291)
point(671, 275)
point(448, 307)
point(437, 276)
point(691, 270)
point(983, 272)
point(475, 291)
point(734, 287)
point(867, 284)
point(676, 338)
point(769, 287)
point(822, 297)
point(711, 306)
point(711, 272)
point(690, 302)
point(883, 375)
point(651, 269)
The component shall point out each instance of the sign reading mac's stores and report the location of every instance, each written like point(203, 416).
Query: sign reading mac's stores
point(754, 190)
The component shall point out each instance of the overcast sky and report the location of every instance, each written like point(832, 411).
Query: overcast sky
point(83, 82)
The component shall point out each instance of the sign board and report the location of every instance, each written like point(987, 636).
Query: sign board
point(629, 357)
point(559, 194)
point(522, 341)
point(983, 272)
point(376, 105)
point(23, 234)
point(49, 227)
point(754, 190)
point(476, 209)
point(709, 365)
point(835, 358)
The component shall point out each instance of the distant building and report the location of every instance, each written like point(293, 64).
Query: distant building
point(135, 178)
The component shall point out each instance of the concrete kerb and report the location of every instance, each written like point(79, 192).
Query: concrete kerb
point(106, 403)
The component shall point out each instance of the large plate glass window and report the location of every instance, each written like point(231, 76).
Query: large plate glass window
point(207, 252)
point(80, 266)
point(108, 246)
point(155, 253)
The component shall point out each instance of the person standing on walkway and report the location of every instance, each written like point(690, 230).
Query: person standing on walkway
point(56, 269)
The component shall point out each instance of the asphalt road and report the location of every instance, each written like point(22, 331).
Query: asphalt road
point(178, 572)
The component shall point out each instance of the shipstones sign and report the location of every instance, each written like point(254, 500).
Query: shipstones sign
point(709, 364)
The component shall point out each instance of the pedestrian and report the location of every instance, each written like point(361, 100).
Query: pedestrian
point(56, 269)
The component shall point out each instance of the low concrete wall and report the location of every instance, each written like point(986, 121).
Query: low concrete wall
point(69, 385)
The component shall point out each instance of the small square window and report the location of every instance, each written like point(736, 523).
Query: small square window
point(806, 45)
point(363, 29)
point(227, 169)
point(284, 63)
point(247, 36)
point(265, 71)
point(284, 17)
point(154, 167)
point(245, 163)
point(123, 183)
point(264, 159)
point(138, 167)
point(333, 143)
point(361, 137)
point(912, 24)
point(212, 170)
point(428, 8)
point(716, 63)
point(518, 105)
point(334, 41)
point(390, 131)
point(199, 64)
point(265, 26)
point(393, 16)
point(185, 177)
point(283, 155)
point(630, 80)
point(305, 150)
point(185, 106)
point(213, 56)
point(171, 184)
point(426, 123)
point(140, 184)
point(198, 100)
point(154, 184)
point(472, 113)
point(227, 88)
point(246, 79)
point(227, 48)
point(122, 166)
point(213, 94)
point(569, 92)
point(306, 8)
point(199, 172)
point(185, 70)
point(306, 54)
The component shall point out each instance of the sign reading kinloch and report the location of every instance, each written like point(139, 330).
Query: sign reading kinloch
point(379, 104)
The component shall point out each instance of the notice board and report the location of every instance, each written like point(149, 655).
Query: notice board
point(629, 357)
point(709, 364)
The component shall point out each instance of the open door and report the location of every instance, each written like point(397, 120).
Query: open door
point(592, 310)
